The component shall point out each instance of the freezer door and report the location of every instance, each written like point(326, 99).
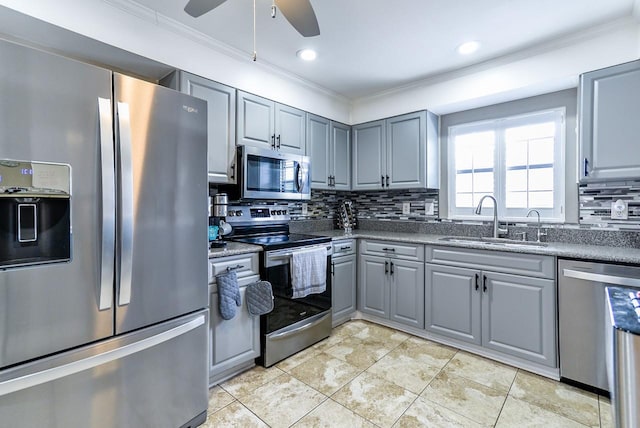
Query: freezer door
point(155, 377)
point(57, 110)
point(161, 140)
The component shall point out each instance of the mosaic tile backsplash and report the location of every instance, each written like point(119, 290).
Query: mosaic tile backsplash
point(596, 199)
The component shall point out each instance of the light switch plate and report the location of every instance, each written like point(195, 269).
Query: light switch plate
point(406, 208)
point(305, 208)
point(429, 208)
point(619, 210)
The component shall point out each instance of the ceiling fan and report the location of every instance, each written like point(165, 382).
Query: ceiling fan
point(299, 13)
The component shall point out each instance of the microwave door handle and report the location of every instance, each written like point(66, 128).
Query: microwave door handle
point(126, 204)
point(108, 233)
point(299, 183)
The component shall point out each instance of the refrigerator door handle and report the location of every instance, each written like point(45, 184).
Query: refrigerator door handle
point(54, 373)
point(126, 204)
point(108, 204)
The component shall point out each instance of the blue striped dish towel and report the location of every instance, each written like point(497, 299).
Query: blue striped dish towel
point(309, 272)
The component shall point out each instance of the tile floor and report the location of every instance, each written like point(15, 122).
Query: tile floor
point(366, 375)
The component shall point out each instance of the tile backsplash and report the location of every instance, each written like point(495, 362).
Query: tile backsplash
point(596, 199)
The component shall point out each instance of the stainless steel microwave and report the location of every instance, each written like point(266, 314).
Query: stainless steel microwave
point(270, 174)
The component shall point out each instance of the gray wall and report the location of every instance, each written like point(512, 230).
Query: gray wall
point(567, 99)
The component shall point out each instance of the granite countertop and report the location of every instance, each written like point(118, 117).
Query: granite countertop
point(586, 252)
point(233, 249)
point(621, 309)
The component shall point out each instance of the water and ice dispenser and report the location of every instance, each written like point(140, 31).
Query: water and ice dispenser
point(35, 213)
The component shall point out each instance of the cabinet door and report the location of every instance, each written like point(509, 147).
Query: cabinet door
point(372, 284)
point(407, 151)
point(368, 165)
point(407, 292)
point(344, 287)
point(236, 341)
point(318, 148)
point(609, 130)
point(519, 317)
point(452, 302)
point(341, 155)
point(291, 124)
point(256, 119)
point(221, 125)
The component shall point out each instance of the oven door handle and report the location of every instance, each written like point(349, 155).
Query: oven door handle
point(284, 335)
point(281, 257)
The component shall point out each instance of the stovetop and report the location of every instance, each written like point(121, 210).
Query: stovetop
point(285, 240)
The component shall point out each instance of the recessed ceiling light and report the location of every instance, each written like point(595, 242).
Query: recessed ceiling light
point(468, 47)
point(307, 54)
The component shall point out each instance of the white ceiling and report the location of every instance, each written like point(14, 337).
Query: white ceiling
point(366, 47)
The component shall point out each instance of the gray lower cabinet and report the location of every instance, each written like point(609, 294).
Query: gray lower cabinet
point(343, 288)
point(373, 297)
point(221, 122)
point(512, 314)
point(609, 101)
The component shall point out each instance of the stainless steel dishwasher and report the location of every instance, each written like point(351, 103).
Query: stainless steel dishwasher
point(581, 311)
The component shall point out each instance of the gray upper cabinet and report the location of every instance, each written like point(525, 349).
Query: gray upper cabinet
point(318, 147)
point(609, 130)
point(398, 153)
point(269, 125)
point(341, 155)
point(221, 121)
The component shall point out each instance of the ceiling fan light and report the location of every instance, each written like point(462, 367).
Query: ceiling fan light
point(468, 47)
point(307, 54)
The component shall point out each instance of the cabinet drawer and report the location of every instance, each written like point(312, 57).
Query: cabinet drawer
point(344, 248)
point(393, 249)
point(517, 263)
point(244, 265)
point(242, 283)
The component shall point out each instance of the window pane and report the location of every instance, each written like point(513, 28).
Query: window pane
point(464, 153)
point(541, 179)
point(516, 153)
point(487, 205)
point(483, 182)
point(464, 200)
point(516, 200)
point(516, 180)
point(530, 132)
point(541, 151)
point(464, 183)
point(483, 153)
point(541, 199)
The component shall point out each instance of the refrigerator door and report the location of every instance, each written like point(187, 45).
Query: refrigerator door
point(50, 111)
point(161, 139)
point(155, 377)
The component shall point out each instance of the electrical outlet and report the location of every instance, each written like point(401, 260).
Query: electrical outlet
point(406, 208)
point(619, 210)
point(429, 209)
point(305, 208)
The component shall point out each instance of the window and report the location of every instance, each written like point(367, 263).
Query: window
point(518, 160)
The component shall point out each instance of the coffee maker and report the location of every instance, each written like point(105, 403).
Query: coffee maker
point(217, 224)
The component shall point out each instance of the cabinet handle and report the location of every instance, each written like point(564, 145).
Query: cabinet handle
point(382, 180)
point(484, 283)
point(345, 248)
point(230, 268)
point(477, 282)
point(388, 249)
point(387, 181)
point(586, 167)
point(391, 268)
point(333, 266)
point(386, 268)
point(233, 171)
point(273, 141)
point(278, 139)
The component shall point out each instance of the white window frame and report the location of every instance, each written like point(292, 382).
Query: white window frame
point(498, 126)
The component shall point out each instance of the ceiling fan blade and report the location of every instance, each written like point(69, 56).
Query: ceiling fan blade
point(300, 14)
point(197, 8)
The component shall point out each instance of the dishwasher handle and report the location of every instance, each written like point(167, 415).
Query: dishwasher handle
point(601, 277)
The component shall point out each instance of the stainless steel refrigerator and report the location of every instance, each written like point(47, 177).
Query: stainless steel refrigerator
point(106, 325)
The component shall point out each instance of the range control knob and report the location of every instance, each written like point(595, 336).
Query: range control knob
point(284, 212)
point(273, 212)
point(238, 213)
point(232, 213)
point(279, 212)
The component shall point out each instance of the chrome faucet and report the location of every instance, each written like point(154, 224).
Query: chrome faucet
point(538, 233)
point(497, 231)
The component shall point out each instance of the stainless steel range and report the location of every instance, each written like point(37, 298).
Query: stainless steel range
point(294, 323)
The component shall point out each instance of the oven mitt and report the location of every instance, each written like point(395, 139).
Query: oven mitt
point(259, 298)
point(228, 294)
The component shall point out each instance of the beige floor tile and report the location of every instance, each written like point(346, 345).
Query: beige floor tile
point(573, 403)
point(349, 328)
point(233, 416)
point(431, 353)
point(408, 370)
point(325, 373)
point(329, 342)
point(606, 418)
point(332, 414)
point(473, 400)
point(423, 413)
point(375, 399)
point(283, 401)
point(377, 333)
point(358, 352)
point(518, 413)
point(483, 371)
point(297, 359)
point(248, 381)
point(218, 398)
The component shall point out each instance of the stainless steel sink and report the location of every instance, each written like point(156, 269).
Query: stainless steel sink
point(498, 242)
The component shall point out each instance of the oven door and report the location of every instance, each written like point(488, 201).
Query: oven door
point(287, 310)
point(268, 174)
